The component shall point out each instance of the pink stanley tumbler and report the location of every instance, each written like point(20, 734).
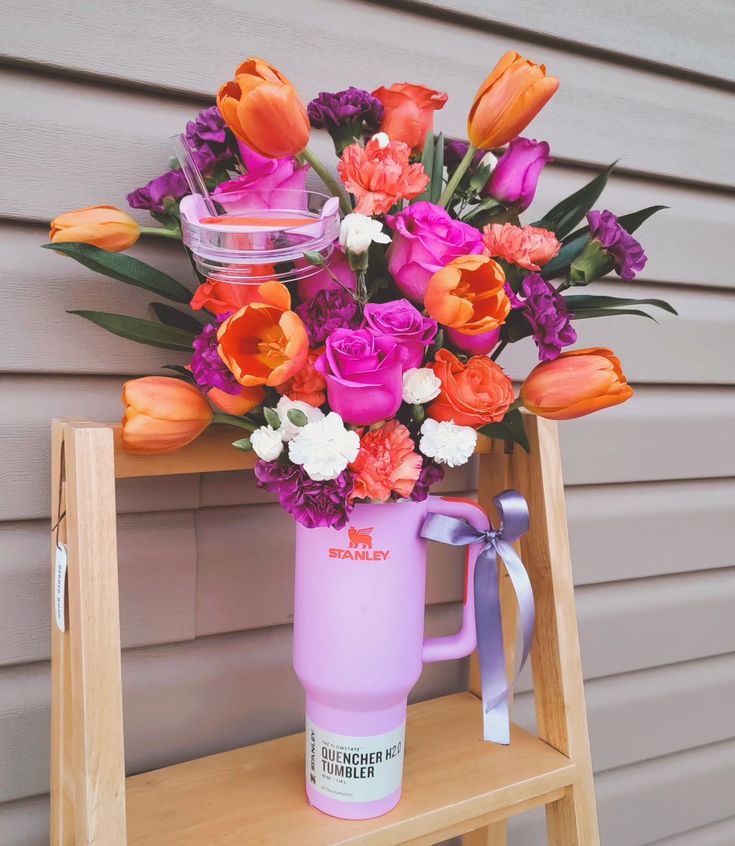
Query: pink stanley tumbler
point(359, 647)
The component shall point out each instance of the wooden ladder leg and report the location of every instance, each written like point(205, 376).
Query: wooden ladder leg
point(557, 666)
point(62, 784)
point(94, 638)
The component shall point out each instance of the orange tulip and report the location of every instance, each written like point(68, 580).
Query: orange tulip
point(237, 404)
point(264, 110)
point(468, 295)
point(221, 297)
point(508, 100)
point(102, 226)
point(265, 343)
point(162, 414)
point(409, 112)
point(576, 383)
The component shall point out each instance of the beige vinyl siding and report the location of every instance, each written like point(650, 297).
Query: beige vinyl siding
point(90, 93)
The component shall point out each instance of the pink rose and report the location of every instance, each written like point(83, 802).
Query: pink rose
point(254, 189)
point(404, 322)
point(364, 374)
point(322, 280)
point(473, 344)
point(516, 176)
point(425, 239)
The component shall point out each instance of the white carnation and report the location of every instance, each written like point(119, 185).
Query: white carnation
point(267, 443)
point(358, 231)
point(420, 384)
point(324, 448)
point(287, 430)
point(446, 442)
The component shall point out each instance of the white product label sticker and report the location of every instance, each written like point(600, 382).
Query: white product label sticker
point(60, 565)
point(354, 769)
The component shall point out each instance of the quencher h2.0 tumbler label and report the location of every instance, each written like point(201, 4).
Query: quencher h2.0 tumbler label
point(354, 769)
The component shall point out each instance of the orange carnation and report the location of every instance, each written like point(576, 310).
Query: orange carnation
point(409, 112)
point(307, 384)
point(264, 110)
point(221, 297)
point(379, 176)
point(468, 295)
point(264, 343)
point(472, 394)
point(386, 463)
point(528, 246)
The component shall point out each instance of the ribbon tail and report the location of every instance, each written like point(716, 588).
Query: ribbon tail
point(524, 595)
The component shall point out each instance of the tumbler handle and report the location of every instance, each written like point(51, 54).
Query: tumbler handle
point(464, 642)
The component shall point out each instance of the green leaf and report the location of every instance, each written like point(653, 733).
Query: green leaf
point(297, 417)
point(631, 222)
point(170, 316)
point(567, 214)
point(418, 413)
point(583, 302)
point(427, 160)
point(610, 312)
point(479, 178)
point(142, 331)
point(314, 258)
point(181, 372)
point(516, 327)
point(437, 169)
point(559, 265)
point(486, 205)
point(243, 444)
point(510, 428)
point(271, 417)
point(126, 269)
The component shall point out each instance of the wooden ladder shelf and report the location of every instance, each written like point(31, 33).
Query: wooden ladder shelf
point(455, 784)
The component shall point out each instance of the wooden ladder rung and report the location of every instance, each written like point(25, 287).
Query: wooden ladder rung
point(453, 783)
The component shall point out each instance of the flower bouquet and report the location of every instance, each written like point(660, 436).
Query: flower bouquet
point(362, 369)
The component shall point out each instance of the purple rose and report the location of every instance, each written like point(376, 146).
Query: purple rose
point(425, 239)
point(364, 374)
point(402, 321)
point(255, 189)
point(626, 251)
point(322, 280)
point(474, 344)
point(517, 173)
point(172, 185)
point(327, 311)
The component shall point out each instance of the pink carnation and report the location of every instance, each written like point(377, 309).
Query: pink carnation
point(528, 247)
point(386, 464)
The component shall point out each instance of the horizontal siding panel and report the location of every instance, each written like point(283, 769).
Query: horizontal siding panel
point(25, 822)
point(157, 559)
point(664, 32)
point(647, 714)
point(655, 799)
point(680, 127)
point(718, 834)
point(187, 700)
point(633, 531)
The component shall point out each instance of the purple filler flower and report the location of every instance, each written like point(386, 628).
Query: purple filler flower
point(547, 313)
point(622, 246)
point(207, 368)
point(346, 115)
point(169, 186)
point(313, 504)
point(431, 474)
point(326, 311)
point(211, 142)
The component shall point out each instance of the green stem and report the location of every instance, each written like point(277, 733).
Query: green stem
point(334, 187)
point(501, 346)
point(448, 192)
point(232, 420)
point(160, 232)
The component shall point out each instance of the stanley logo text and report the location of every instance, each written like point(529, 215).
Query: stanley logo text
point(360, 547)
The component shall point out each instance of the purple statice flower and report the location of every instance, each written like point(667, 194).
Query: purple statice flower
point(313, 504)
point(326, 311)
point(207, 368)
point(346, 115)
point(170, 185)
point(547, 313)
point(431, 473)
point(622, 246)
point(210, 141)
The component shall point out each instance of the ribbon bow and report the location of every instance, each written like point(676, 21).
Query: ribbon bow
point(514, 517)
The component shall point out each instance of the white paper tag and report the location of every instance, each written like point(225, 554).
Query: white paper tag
point(60, 585)
point(354, 769)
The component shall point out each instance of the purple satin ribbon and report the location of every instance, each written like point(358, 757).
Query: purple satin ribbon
point(514, 517)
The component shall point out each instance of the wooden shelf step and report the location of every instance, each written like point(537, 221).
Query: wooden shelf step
point(254, 796)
